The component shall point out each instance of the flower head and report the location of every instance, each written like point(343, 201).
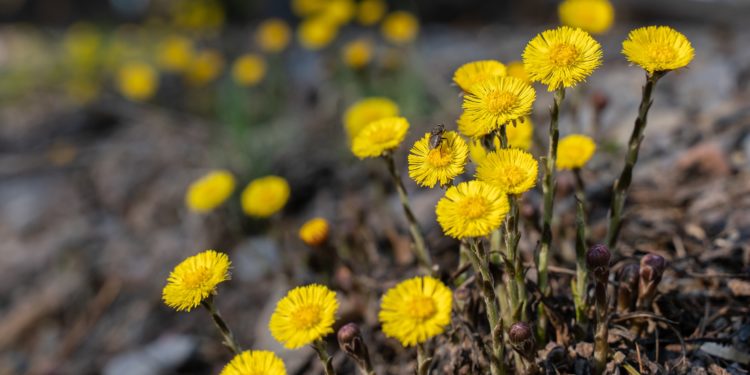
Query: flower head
point(255, 362)
point(273, 35)
point(574, 151)
point(400, 27)
point(416, 310)
point(561, 57)
point(304, 8)
point(339, 12)
point(357, 54)
point(175, 53)
point(314, 232)
point(495, 102)
point(137, 81)
point(306, 314)
point(471, 209)
point(365, 111)
point(265, 196)
point(516, 69)
point(467, 75)
point(196, 278)
point(440, 165)
point(594, 16)
point(380, 136)
point(658, 49)
point(249, 69)
point(511, 170)
point(519, 136)
point(369, 12)
point(209, 191)
point(205, 67)
point(316, 32)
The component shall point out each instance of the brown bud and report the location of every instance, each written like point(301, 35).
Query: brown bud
point(652, 267)
point(522, 338)
point(597, 260)
point(627, 291)
point(352, 343)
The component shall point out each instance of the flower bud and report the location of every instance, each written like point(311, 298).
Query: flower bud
point(351, 342)
point(597, 260)
point(627, 290)
point(652, 268)
point(522, 338)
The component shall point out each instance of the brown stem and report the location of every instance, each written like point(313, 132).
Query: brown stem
point(325, 359)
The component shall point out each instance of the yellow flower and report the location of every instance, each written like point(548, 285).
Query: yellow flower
point(471, 209)
point(82, 45)
point(205, 67)
point(209, 191)
point(416, 310)
point(519, 136)
point(594, 16)
point(380, 136)
point(314, 232)
point(255, 362)
point(265, 196)
point(467, 75)
point(516, 69)
point(249, 69)
point(175, 53)
point(198, 15)
point(494, 102)
point(511, 170)
point(440, 165)
point(273, 35)
point(304, 8)
point(369, 12)
point(357, 54)
point(658, 49)
point(196, 278)
point(137, 81)
point(574, 151)
point(400, 27)
point(317, 32)
point(365, 111)
point(305, 315)
point(339, 12)
point(561, 57)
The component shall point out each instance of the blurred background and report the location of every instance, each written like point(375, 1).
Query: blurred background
point(110, 109)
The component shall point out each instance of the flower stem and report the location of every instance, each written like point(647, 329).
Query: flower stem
point(229, 340)
point(325, 359)
point(424, 360)
point(601, 346)
point(621, 185)
point(420, 246)
point(517, 282)
point(581, 283)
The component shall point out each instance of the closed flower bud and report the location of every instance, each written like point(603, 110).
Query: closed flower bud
point(352, 343)
point(597, 260)
point(652, 267)
point(522, 338)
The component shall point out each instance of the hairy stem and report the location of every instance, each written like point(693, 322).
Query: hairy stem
point(325, 359)
point(228, 338)
point(512, 237)
point(601, 346)
point(581, 283)
point(424, 360)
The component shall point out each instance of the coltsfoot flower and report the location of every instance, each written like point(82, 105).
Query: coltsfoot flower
point(174, 53)
point(265, 196)
point(400, 27)
point(658, 49)
point(516, 69)
point(562, 57)
point(519, 136)
point(206, 66)
point(339, 12)
point(369, 12)
point(594, 16)
point(574, 151)
point(471, 209)
point(314, 232)
point(316, 32)
point(195, 279)
point(249, 69)
point(416, 310)
point(273, 35)
point(380, 136)
point(467, 75)
point(494, 102)
point(137, 81)
point(357, 54)
point(209, 191)
point(511, 170)
point(365, 111)
point(440, 165)
point(306, 314)
point(255, 362)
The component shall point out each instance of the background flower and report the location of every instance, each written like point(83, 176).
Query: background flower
point(365, 111)
point(195, 279)
point(265, 196)
point(209, 191)
point(594, 16)
point(574, 151)
point(254, 362)
point(380, 136)
point(469, 74)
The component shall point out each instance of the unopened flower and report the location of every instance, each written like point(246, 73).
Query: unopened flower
point(369, 12)
point(467, 75)
point(416, 310)
point(249, 69)
point(520, 136)
point(511, 170)
point(380, 136)
point(210, 191)
point(273, 35)
point(205, 67)
point(316, 33)
point(471, 209)
point(365, 111)
point(314, 232)
point(357, 54)
point(255, 362)
point(400, 27)
point(195, 279)
point(430, 166)
point(494, 102)
point(574, 151)
point(265, 196)
point(305, 314)
point(137, 81)
point(562, 57)
point(174, 53)
point(597, 260)
point(594, 16)
point(658, 49)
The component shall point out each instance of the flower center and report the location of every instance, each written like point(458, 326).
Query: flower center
point(421, 307)
point(439, 158)
point(381, 136)
point(472, 207)
point(514, 175)
point(305, 317)
point(500, 101)
point(563, 55)
point(196, 278)
point(661, 53)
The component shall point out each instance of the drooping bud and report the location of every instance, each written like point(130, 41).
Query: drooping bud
point(597, 260)
point(652, 269)
point(522, 338)
point(351, 342)
point(627, 290)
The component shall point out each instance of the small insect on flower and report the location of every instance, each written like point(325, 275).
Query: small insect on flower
point(265, 196)
point(306, 314)
point(400, 27)
point(594, 16)
point(255, 362)
point(416, 310)
point(195, 279)
point(511, 170)
point(137, 81)
point(379, 137)
point(574, 151)
point(249, 69)
point(471, 209)
point(495, 102)
point(658, 49)
point(365, 111)
point(467, 75)
point(437, 158)
point(273, 35)
point(314, 232)
point(436, 136)
point(209, 191)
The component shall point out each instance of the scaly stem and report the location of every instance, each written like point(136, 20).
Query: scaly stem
point(424, 360)
point(496, 237)
point(325, 359)
point(601, 346)
point(420, 247)
point(517, 282)
point(620, 188)
point(548, 187)
point(229, 340)
point(581, 269)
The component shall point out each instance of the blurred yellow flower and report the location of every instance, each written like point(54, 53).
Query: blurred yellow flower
point(519, 136)
point(357, 54)
point(195, 279)
point(273, 35)
point(255, 362)
point(305, 8)
point(209, 191)
point(594, 16)
point(574, 151)
point(379, 137)
point(440, 165)
point(82, 44)
point(476, 71)
point(137, 81)
point(314, 232)
point(494, 102)
point(205, 67)
point(516, 69)
point(265, 196)
point(471, 209)
point(511, 170)
point(249, 69)
point(416, 310)
point(369, 12)
point(339, 12)
point(175, 53)
point(400, 27)
point(198, 15)
point(658, 49)
point(365, 111)
point(305, 315)
point(562, 57)
point(316, 33)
